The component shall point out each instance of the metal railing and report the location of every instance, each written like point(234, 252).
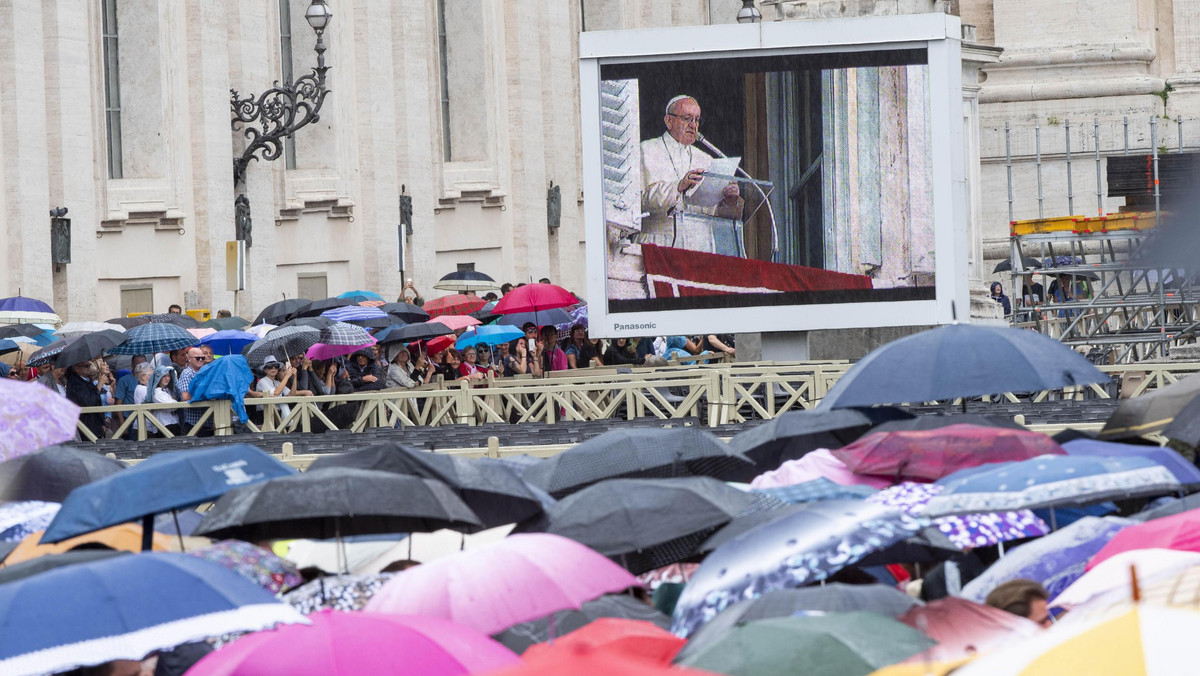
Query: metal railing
point(716, 394)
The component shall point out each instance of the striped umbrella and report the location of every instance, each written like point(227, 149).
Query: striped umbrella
point(22, 310)
point(458, 304)
point(154, 337)
point(354, 312)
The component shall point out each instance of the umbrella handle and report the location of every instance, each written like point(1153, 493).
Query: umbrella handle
point(147, 532)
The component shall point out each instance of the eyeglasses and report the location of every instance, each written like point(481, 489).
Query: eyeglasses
point(688, 119)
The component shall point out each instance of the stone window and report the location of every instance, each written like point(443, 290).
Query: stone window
point(112, 89)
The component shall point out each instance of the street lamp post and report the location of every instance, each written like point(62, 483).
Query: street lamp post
point(280, 111)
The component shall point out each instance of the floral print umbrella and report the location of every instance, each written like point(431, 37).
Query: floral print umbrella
point(970, 530)
point(253, 563)
point(33, 417)
point(344, 592)
point(21, 519)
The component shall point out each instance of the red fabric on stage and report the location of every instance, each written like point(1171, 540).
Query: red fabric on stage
point(681, 273)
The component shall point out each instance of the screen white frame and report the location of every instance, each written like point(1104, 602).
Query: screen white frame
point(939, 33)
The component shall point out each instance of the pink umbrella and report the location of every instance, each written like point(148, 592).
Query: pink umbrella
point(323, 351)
point(963, 628)
point(456, 322)
point(490, 588)
point(815, 465)
point(1180, 532)
point(932, 454)
point(534, 298)
point(200, 333)
point(350, 644)
point(33, 417)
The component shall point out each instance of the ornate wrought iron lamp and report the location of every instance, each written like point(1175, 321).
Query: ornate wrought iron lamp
point(284, 108)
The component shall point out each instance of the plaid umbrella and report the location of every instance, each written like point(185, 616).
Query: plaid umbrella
point(253, 563)
point(154, 337)
point(88, 346)
point(458, 304)
point(342, 333)
point(282, 343)
point(353, 312)
point(33, 417)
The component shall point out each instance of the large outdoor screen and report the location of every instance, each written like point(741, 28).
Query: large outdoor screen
point(774, 177)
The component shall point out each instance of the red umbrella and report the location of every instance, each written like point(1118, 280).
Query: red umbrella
point(457, 322)
point(963, 628)
point(435, 345)
point(584, 660)
point(534, 298)
point(458, 304)
point(1180, 532)
point(629, 638)
point(932, 454)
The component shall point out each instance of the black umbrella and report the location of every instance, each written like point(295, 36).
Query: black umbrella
point(422, 331)
point(935, 421)
point(313, 322)
point(961, 360)
point(835, 597)
point(1185, 428)
point(791, 435)
point(318, 306)
point(466, 280)
point(1152, 412)
point(226, 324)
point(520, 637)
point(281, 343)
point(1027, 264)
point(635, 453)
point(129, 322)
point(644, 524)
point(49, 474)
point(336, 502)
point(493, 492)
point(46, 562)
point(25, 330)
point(373, 322)
point(88, 347)
point(408, 312)
point(180, 320)
point(281, 311)
point(1071, 434)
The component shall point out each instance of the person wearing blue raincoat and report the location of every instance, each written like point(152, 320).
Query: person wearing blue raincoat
point(226, 378)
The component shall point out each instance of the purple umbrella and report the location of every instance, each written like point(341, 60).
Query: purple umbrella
point(228, 342)
point(1175, 464)
point(33, 417)
point(1056, 560)
point(324, 351)
point(969, 530)
point(354, 313)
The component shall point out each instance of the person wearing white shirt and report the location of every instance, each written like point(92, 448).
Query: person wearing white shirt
point(275, 383)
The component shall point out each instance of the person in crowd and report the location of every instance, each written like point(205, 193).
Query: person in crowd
point(579, 351)
point(82, 389)
point(183, 384)
point(224, 314)
point(451, 359)
point(209, 356)
point(174, 310)
point(399, 372)
point(425, 370)
point(469, 369)
point(505, 288)
point(301, 366)
point(620, 352)
point(505, 362)
point(998, 296)
point(365, 373)
point(544, 280)
point(162, 391)
point(318, 377)
point(1025, 598)
point(53, 378)
point(274, 383)
point(142, 393)
point(490, 296)
point(548, 354)
point(719, 342)
point(409, 294)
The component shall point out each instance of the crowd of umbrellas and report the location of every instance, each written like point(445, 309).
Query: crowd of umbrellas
point(320, 329)
point(801, 545)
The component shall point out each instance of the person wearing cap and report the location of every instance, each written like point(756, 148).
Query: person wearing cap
point(274, 382)
point(672, 168)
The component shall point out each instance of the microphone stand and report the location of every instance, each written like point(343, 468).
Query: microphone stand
point(770, 211)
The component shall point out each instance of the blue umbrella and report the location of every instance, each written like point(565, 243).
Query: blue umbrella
point(163, 482)
point(1055, 560)
point(1183, 470)
point(124, 607)
point(816, 490)
point(23, 518)
point(354, 313)
point(369, 295)
point(154, 337)
point(488, 335)
point(227, 342)
point(1049, 481)
point(226, 378)
point(805, 546)
point(960, 360)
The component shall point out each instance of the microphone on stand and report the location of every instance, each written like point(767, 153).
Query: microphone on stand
point(770, 212)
